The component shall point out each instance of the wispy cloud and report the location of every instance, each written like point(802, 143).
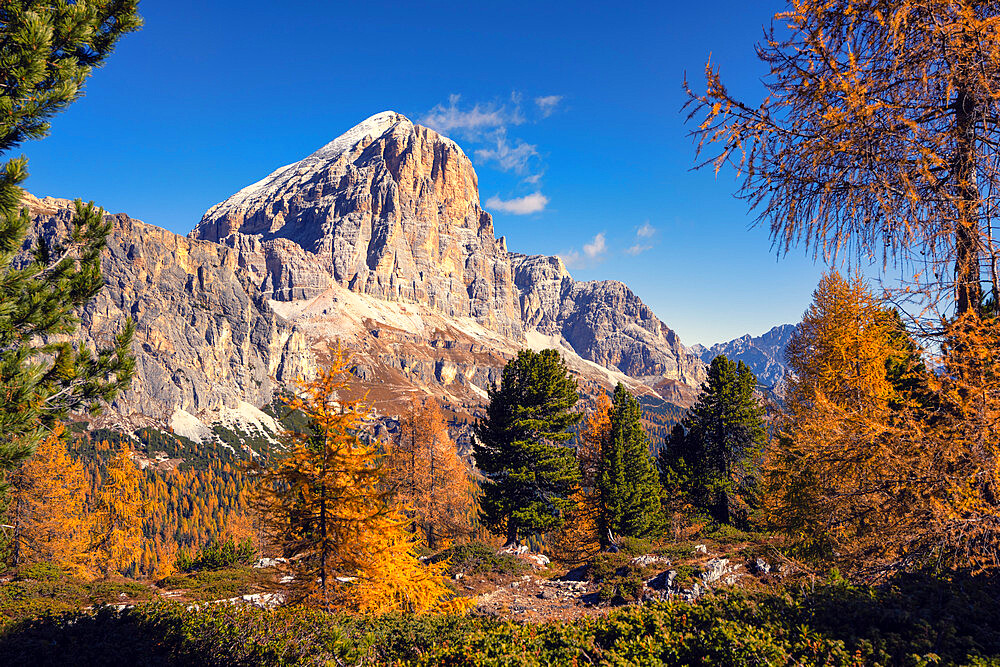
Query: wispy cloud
point(471, 122)
point(532, 203)
point(593, 253)
point(572, 259)
point(508, 157)
point(643, 234)
point(547, 104)
point(595, 248)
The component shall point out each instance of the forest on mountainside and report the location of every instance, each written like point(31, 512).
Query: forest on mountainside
point(852, 518)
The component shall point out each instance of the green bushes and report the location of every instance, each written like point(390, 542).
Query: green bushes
point(216, 555)
point(480, 558)
point(619, 578)
point(913, 621)
point(217, 584)
point(45, 588)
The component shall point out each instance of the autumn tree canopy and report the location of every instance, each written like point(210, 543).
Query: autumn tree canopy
point(328, 510)
point(48, 508)
point(878, 135)
point(116, 531)
point(427, 476)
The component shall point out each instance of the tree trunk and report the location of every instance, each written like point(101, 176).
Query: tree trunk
point(968, 290)
point(512, 540)
point(324, 543)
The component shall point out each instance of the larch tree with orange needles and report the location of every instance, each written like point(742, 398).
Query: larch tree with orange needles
point(116, 533)
point(48, 509)
point(428, 476)
point(579, 539)
point(849, 477)
point(878, 135)
point(326, 507)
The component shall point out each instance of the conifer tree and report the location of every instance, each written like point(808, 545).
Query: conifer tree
point(876, 135)
point(627, 480)
point(49, 514)
point(47, 50)
point(579, 539)
point(715, 455)
point(851, 471)
point(117, 537)
point(428, 477)
point(326, 507)
point(519, 448)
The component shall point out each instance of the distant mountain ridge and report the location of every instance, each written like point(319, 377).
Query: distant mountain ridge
point(764, 354)
point(378, 241)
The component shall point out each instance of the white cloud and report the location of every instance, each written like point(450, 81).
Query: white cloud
point(646, 231)
point(532, 203)
point(469, 122)
point(593, 253)
point(510, 158)
point(595, 248)
point(638, 248)
point(485, 126)
point(547, 104)
point(572, 259)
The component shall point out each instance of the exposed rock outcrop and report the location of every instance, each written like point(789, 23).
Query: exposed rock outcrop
point(390, 209)
point(204, 337)
point(603, 320)
point(764, 354)
point(378, 241)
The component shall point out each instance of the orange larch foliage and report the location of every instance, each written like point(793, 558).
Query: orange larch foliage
point(326, 508)
point(427, 476)
point(877, 136)
point(116, 534)
point(49, 512)
point(579, 539)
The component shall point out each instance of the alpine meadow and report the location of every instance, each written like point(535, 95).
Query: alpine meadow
point(399, 402)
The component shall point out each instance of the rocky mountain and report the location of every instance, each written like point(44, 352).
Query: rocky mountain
point(377, 241)
point(764, 354)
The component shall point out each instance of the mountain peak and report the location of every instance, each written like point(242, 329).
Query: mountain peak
point(386, 125)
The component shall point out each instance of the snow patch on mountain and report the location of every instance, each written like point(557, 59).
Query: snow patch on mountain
point(764, 354)
point(303, 171)
point(186, 425)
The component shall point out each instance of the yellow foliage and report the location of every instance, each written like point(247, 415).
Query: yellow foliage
point(579, 539)
point(51, 522)
point(833, 476)
point(117, 531)
point(326, 508)
point(428, 477)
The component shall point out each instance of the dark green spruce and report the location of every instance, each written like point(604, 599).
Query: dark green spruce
point(520, 446)
point(713, 457)
point(47, 51)
point(627, 480)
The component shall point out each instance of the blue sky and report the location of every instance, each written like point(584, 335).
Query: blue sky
point(571, 113)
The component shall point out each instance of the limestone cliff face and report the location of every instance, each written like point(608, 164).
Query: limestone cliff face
point(389, 209)
point(376, 241)
point(204, 337)
point(603, 321)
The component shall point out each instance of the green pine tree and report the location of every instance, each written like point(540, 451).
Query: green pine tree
point(520, 446)
point(715, 456)
point(48, 48)
point(627, 479)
